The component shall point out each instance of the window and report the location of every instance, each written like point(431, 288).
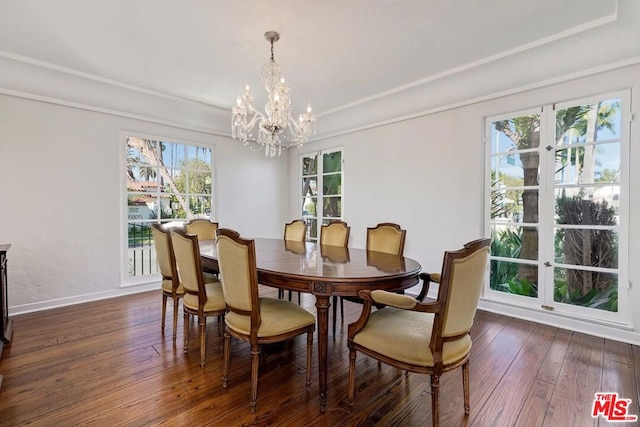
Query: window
point(321, 189)
point(166, 183)
point(557, 207)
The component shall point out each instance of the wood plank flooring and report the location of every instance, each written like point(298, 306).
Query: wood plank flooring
point(107, 363)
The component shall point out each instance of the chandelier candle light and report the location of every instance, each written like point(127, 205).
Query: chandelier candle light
point(277, 117)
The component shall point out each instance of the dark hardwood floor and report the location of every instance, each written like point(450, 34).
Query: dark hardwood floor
point(107, 363)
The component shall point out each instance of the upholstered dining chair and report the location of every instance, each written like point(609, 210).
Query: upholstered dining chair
point(171, 286)
point(205, 230)
point(294, 231)
point(385, 237)
point(200, 299)
point(336, 233)
point(251, 318)
point(430, 337)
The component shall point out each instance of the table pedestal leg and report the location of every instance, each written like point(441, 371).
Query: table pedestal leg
point(322, 306)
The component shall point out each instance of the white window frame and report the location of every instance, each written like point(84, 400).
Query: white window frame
point(126, 279)
point(320, 216)
point(546, 224)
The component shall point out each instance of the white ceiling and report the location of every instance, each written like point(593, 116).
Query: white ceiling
point(337, 54)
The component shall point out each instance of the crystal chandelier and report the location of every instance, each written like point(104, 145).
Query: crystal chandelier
point(276, 127)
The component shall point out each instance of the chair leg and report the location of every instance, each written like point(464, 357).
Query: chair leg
point(299, 298)
point(465, 386)
point(164, 309)
point(202, 322)
point(335, 307)
point(186, 330)
point(435, 403)
point(227, 358)
point(309, 354)
point(255, 353)
point(352, 377)
point(341, 312)
point(175, 320)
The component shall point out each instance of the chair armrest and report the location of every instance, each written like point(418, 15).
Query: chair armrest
point(427, 278)
point(367, 303)
point(393, 299)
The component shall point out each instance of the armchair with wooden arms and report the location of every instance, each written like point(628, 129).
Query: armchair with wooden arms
point(430, 337)
point(386, 237)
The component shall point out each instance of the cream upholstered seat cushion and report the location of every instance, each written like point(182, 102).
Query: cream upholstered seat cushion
point(215, 299)
point(277, 317)
point(167, 286)
point(405, 335)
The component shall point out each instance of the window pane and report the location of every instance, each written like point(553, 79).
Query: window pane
point(599, 121)
point(332, 184)
point(135, 148)
point(588, 164)
point(332, 162)
point(586, 288)
point(509, 203)
point(309, 186)
point(200, 206)
point(518, 133)
point(514, 278)
point(595, 248)
point(587, 205)
point(172, 153)
point(140, 251)
point(510, 168)
point(310, 165)
point(507, 242)
point(202, 154)
point(312, 229)
point(309, 207)
point(332, 207)
point(199, 182)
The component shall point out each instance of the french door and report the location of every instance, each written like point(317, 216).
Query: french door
point(322, 189)
point(557, 207)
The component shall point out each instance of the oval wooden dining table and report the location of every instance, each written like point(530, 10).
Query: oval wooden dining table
point(323, 271)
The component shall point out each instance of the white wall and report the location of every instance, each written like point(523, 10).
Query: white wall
point(427, 174)
point(61, 199)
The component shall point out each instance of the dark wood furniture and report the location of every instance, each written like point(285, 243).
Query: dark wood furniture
point(6, 327)
point(389, 334)
point(310, 272)
point(251, 318)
